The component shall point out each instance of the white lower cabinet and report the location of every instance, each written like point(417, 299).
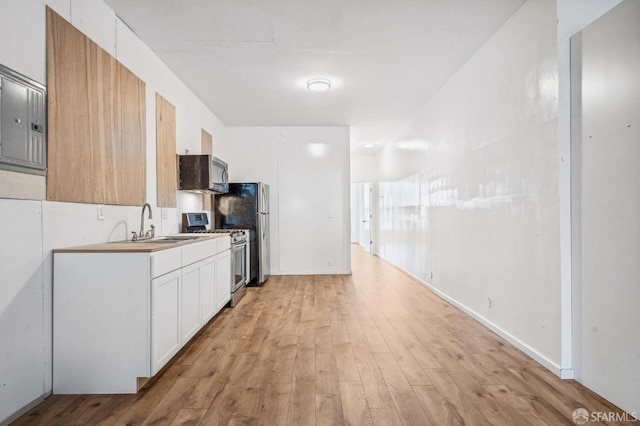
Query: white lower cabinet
point(165, 318)
point(119, 317)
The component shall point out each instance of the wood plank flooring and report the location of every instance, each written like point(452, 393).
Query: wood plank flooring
point(374, 348)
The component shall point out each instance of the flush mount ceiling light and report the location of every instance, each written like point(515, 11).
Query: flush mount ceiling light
point(318, 84)
point(368, 145)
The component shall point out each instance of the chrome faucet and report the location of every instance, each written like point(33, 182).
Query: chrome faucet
point(144, 235)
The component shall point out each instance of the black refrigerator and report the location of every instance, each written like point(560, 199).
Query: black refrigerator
point(246, 206)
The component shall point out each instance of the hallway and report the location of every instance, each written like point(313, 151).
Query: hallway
point(372, 348)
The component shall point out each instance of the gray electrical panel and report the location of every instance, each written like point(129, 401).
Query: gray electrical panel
point(23, 119)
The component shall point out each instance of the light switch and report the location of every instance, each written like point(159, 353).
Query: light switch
point(100, 211)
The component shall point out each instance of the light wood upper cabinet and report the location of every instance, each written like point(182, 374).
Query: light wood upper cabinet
point(130, 140)
point(97, 134)
point(166, 169)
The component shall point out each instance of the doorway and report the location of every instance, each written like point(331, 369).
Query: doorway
point(366, 238)
point(363, 215)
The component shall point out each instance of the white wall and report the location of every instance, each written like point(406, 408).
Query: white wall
point(364, 166)
point(607, 202)
point(23, 363)
point(469, 197)
point(31, 229)
point(307, 169)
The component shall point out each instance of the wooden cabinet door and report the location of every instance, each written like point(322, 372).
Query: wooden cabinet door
point(208, 305)
point(166, 178)
point(190, 301)
point(165, 319)
point(97, 122)
point(223, 279)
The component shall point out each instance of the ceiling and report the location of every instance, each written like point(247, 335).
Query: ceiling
point(249, 61)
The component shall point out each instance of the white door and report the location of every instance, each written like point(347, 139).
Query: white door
point(208, 307)
point(190, 301)
point(223, 279)
point(165, 320)
point(606, 204)
point(366, 239)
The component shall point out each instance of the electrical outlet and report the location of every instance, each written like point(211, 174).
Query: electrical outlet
point(164, 212)
point(329, 263)
point(489, 302)
point(432, 275)
point(100, 211)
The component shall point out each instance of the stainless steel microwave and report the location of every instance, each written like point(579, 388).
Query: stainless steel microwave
point(203, 173)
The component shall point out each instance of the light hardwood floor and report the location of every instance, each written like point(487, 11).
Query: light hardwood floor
point(372, 348)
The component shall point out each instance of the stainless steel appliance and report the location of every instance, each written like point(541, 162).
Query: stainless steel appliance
point(203, 173)
point(246, 206)
point(240, 251)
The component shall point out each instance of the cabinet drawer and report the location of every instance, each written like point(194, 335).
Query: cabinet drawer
point(192, 253)
point(165, 261)
point(223, 243)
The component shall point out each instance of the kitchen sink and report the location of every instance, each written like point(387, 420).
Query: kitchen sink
point(171, 239)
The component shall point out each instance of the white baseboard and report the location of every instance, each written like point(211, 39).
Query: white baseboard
point(537, 356)
point(24, 409)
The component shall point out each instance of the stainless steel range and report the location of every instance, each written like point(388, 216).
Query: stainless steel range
point(197, 223)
